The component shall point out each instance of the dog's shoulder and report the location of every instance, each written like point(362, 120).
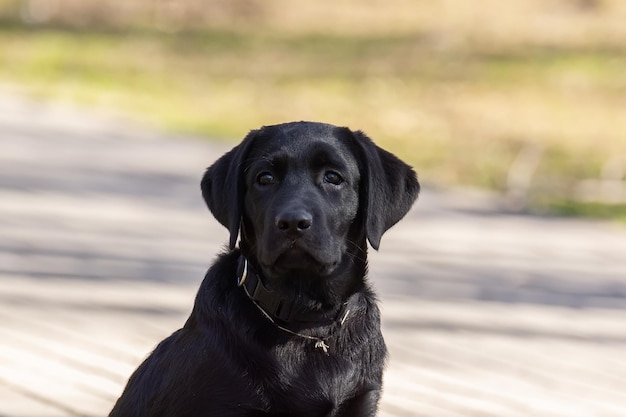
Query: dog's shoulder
point(220, 279)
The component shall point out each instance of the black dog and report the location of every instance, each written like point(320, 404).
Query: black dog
point(286, 325)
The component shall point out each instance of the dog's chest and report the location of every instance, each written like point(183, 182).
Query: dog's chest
point(309, 379)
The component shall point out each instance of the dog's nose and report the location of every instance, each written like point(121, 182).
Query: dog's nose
point(297, 221)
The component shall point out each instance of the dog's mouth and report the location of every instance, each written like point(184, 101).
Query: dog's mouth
point(295, 260)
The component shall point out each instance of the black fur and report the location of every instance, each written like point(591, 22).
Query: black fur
point(304, 198)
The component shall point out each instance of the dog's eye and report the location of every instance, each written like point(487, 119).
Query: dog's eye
point(332, 177)
point(265, 178)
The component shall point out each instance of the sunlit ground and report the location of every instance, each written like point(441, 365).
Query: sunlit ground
point(106, 238)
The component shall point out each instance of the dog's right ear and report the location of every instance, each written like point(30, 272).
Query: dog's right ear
point(223, 187)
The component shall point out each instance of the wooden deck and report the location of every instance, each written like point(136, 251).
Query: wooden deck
point(104, 240)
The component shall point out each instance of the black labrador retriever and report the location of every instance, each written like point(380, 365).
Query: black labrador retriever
point(285, 325)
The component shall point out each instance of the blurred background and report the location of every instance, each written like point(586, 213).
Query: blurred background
point(524, 97)
point(503, 290)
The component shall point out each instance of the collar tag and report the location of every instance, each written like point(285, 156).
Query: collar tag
point(321, 344)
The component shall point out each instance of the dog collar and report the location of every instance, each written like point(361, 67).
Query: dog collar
point(276, 307)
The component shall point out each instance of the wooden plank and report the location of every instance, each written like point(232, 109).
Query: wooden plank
point(18, 403)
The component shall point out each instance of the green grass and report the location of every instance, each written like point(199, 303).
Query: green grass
point(459, 113)
point(573, 208)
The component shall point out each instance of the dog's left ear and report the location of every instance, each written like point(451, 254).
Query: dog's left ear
point(223, 187)
point(388, 188)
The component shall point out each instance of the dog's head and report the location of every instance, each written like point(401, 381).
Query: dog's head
point(304, 196)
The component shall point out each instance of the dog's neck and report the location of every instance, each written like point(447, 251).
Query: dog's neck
point(279, 307)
